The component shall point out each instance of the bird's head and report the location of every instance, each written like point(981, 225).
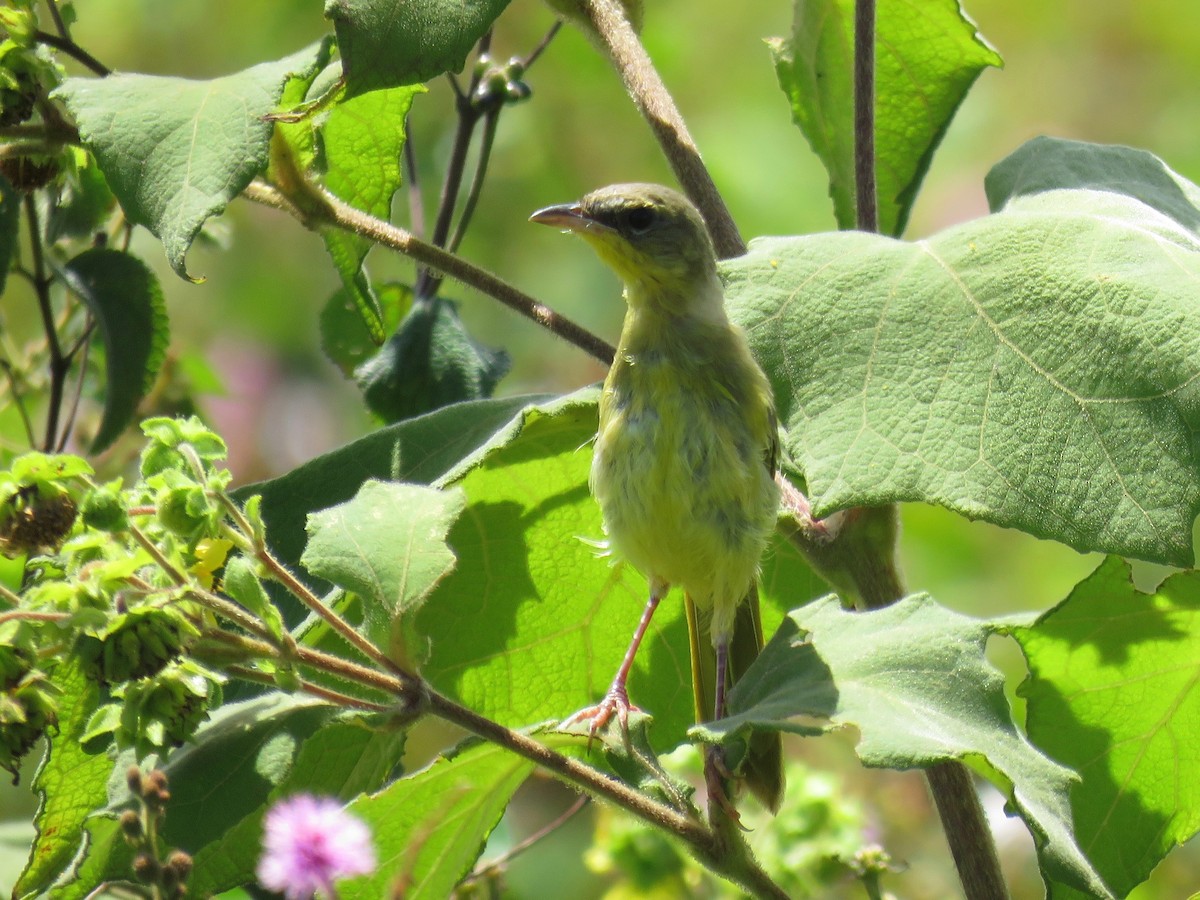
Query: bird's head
point(652, 236)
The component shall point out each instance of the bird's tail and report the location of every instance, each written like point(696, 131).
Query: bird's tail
point(762, 768)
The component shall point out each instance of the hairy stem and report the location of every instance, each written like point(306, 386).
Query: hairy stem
point(866, 202)
point(650, 96)
point(329, 210)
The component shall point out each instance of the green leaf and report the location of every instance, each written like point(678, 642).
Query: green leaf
point(10, 231)
point(388, 546)
point(927, 57)
point(71, 783)
point(418, 450)
point(1111, 692)
point(345, 338)
point(126, 300)
point(914, 680)
point(533, 622)
point(363, 138)
point(86, 201)
point(176, 151)
point(1036, 368)
point(246, 757)
point(430, 827)
point(387, 44)
point(429, 362)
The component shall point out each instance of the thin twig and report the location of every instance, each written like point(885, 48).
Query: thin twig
point(865, 191)
point(657, 107)
point(532, 840)
point(73, 50)
point(84, 344)
point(18, 400)
point(543, 44)
point(490, 120)
point(58, 363)
point(339, 214)
point(328, 694)
point(416, 203)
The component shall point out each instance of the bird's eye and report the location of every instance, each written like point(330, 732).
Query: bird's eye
point(639, 219)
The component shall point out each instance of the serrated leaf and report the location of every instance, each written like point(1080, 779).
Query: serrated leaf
point(430, 361)
point(1111, 692)
point(1036, 368)
point(927, 57)
point(71, 783)
point(388, 546)
point(533, 622)
point(418, 450)
point(10, 231)
point(387, 44)
point(913, 678)
point(247, 756)
point(362, 139)
point(176, 151)
point(126, 301)
point(430, 827)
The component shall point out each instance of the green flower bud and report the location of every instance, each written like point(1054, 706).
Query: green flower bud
point(104, 510)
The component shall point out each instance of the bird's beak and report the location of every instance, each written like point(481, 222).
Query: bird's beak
point(568, 217)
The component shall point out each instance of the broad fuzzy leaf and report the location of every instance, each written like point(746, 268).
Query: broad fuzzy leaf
point(387, 44)
point(126, 300)
point(346, 336)
point(431, 826)
point(388, 546)
point(914, 680)
point(176, 151)
point(1036, 368)
point(927, 57)
point(1111, 692)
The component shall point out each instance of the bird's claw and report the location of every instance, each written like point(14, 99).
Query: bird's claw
point(615, 703)
point(716, 776)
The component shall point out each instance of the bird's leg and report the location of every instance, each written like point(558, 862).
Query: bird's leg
point(716, 772)
point(616, 700)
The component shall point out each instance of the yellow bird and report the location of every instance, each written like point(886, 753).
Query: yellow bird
point(687, 446)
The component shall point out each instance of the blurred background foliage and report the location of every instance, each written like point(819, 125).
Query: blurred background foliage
point(247, 338)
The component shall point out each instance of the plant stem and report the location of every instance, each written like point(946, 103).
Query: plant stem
point(654, 102)
point(335, 212)
point(967, 831)
point(865, 193)
point(69, 47)
point(59, 364)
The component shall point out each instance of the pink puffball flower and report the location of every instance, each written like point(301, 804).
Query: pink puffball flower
point(309, 843)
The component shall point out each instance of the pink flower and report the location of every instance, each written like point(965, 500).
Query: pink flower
point(309, 843)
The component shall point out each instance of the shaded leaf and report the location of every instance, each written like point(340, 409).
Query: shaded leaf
point(927, 57)
point(176, 151)
point(126, 301)
point(431, 826)
point(85, 204)
point(914, 680)
point(387, 44)
point(1111, 692)
point(429, 362)
point(344, 335)
point(1036, 368)
point(388, 546)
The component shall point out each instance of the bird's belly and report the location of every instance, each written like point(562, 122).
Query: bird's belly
point(686, 497)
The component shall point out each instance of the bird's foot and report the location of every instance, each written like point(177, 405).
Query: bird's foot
point(716, 778)
point(615, 703)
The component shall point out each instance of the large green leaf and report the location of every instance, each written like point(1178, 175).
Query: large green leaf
point(927, 57)
point(388, 546)
point(533, 622)
point(1112, 693)
point(176, 151)
point(72, 785)
point(914, 680)
point(387, 44)
point(1036, 368)
point(126, 301)
point(431, 826)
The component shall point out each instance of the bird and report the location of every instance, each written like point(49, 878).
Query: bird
point(685, 453)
